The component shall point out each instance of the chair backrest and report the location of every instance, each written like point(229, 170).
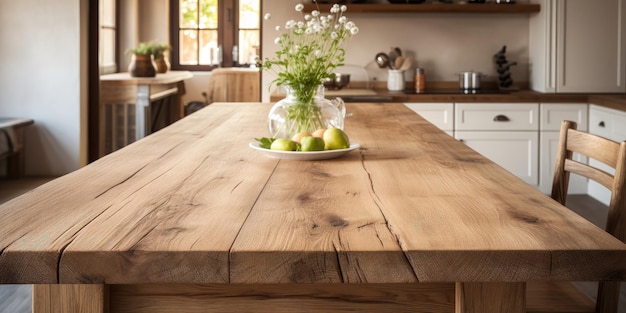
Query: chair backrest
point(612, 154)
point(234, 85)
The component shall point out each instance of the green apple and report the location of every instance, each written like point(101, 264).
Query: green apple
point(284, 144)
point(335, 138)
point(310, 143)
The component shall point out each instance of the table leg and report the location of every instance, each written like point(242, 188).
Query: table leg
point(142, 111)
point(490, 297)
point(70, 299)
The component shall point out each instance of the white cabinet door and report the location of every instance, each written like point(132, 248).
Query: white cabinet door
point(549, 147)
point(552, 114)
point(517, 152)
point(578, 46)
point(439, 114)
point(610, 124)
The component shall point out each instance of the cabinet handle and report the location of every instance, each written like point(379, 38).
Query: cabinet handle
point(501, 118)
point(601, 124)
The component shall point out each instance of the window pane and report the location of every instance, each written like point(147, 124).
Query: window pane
point(210, 52)
point(248, 46)
point(107, 47)
point(249, 12)
point(188, 13)
point(107, 13)
point(188, 50)
point(208, 16)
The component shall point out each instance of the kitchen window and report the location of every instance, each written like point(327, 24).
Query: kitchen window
point(108, 36)
point(212, 33)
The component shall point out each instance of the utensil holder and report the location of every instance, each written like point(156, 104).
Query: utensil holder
point(395, 80)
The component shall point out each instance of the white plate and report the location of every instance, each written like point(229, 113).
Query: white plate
point(305, 155)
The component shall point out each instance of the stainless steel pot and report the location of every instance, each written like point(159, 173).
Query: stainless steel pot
point(470, 80)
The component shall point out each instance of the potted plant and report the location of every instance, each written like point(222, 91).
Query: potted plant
point(148, 59)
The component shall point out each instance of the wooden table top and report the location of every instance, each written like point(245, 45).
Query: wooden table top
point(193, 203)
point(124, 78)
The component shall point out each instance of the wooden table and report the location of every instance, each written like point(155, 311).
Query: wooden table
point(190, 219)
point(125, 106)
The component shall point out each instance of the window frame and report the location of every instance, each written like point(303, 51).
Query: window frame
point(228, 33)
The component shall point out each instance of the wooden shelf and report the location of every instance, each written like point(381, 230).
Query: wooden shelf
point(433, 8)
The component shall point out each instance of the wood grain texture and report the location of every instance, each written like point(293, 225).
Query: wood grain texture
point(193, 203)
point(70, 299)
point(283, 298)
point(490, 298)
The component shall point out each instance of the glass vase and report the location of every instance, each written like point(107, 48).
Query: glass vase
point(304, 110)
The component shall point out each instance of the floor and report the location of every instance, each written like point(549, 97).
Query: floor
point(17, 298)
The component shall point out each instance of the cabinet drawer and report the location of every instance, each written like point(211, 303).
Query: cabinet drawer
point(552, 114)
point(607, 123)
point(496, 116)
point(439, 114)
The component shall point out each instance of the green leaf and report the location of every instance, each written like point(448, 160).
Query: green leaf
point(265, 142)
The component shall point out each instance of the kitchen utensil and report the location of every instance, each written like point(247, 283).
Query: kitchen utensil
point(407, 64)
point(393, 54)
point(382, 59)
point(470, 80)
point(398, 62)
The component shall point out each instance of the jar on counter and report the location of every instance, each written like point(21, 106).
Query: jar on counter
point(395, 80)
point(420, 80)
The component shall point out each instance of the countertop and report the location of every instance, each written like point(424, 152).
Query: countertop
point(615, 101)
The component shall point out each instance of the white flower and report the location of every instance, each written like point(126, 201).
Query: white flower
point(354, 30)
point(315, 13)
point(290, 24)
point(267, 16)
point(344, 8)
point(277, 28)
point(300, 24)
point(307, 17)
point(334, 35)
point(349, 25)
point(335, 8)
point(299, 7)
point(343, 19)
point(277, 40)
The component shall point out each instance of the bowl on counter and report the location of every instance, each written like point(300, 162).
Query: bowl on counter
point(340, 81)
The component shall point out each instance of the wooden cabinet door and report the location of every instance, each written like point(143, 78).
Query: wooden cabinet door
point(517, 152)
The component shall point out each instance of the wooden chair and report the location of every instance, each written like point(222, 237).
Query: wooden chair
point(613, 154)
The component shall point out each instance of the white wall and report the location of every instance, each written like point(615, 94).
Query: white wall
point(43, 77)
point(442, 44)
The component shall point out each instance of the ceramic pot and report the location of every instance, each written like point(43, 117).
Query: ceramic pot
point(142, 65)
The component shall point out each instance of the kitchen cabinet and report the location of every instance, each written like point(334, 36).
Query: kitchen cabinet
point(578, 46)
point(504, 133)
point(518, 8)
point(551, 116)
point(439, 114)
point(610, 124)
